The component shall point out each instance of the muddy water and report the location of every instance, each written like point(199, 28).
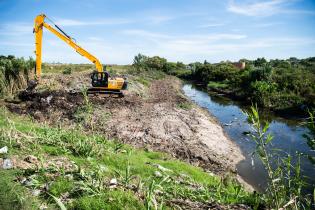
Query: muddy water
point(287, 135)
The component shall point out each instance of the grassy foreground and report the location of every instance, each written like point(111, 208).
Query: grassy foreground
point(104, 174)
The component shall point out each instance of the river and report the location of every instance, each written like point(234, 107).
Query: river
point(287, 135)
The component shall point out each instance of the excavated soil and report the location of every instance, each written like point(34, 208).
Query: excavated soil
point(151, 120)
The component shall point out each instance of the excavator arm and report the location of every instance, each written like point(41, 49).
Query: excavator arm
point(101, 82)
point(38, 30)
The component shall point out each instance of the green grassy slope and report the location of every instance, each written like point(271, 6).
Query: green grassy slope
point(145, 179)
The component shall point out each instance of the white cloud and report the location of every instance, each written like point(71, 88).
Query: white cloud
point(146, 34)
point(157, 19)
point(15, 44)
point(209, 25)
point(16, 29)
point(265, 25)
point(208, 37)
point(109, 21)
point(264, 8)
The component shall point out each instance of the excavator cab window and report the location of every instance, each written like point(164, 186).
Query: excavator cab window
point(100, 79)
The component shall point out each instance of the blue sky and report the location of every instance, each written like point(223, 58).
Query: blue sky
point(180, 30)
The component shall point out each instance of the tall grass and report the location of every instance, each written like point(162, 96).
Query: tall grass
point(14, 74)
point(310, 136)
point(285, 183)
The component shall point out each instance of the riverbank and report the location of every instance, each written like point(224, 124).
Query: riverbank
point(154, 116)
point(296, 112)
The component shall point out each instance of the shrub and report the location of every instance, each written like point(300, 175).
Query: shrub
point(67, 70)
point(14, 74)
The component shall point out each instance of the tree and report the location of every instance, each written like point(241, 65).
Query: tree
point(260, 62)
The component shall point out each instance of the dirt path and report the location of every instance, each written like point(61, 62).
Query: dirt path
point(155, 122)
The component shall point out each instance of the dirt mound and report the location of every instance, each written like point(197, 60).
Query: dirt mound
point(47, 105)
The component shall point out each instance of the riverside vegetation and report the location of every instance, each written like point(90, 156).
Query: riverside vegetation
point(74, 169)
point(280, 85)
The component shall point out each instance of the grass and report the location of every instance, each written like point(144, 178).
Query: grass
point(12, 194)
point(285, 182)
point(14, 75)
point(217, 85)
point(117, 199)
point(185, 105)
point(98, 161)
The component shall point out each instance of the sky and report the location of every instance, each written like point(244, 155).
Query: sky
point(180, 30)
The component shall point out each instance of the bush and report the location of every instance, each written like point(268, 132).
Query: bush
point(14, 74)
point(67, 70)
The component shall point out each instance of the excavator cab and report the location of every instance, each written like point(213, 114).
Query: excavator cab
point(103, 83)
point(100, 79)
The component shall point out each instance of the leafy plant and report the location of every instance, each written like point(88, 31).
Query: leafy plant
point(310, 137)
point(284, 178)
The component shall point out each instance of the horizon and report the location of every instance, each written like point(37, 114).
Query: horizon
point(186, 31)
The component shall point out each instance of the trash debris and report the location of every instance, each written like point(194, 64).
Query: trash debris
point(246, 132)
point(31, 159)
point(113, 183)
point(7, 164)
point(157, 174)
point(227, 124)
point(4, 150)
point(36, 192)
point(23, 180)
point(162, 168)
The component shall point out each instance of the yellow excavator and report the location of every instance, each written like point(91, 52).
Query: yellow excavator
point(102, 83)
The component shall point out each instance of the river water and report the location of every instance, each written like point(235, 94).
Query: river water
point(287, 135)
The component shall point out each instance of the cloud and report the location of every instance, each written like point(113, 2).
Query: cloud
point(157, 19)
point(208, 37)
point(109, 21)
point(146, 34)
point(265, 25)
point(264, 8)
point(15, 44)
point(16, 29)
point(209, 25)
point(256, 9)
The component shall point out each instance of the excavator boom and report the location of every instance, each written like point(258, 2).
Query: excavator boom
point(102, 83)
point(38, 30)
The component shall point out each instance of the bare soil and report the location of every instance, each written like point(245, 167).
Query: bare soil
point(151, 120)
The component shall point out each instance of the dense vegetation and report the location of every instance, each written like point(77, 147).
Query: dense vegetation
point(14, 74)
point(275, 84)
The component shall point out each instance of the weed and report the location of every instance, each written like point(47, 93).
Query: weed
point(14, 74)
point(85, 113)
point(116, 199)
point(60, 186)
point(284, 178)
point(185, 105)
point(67, 70)
point(310, 136)
point(12, 195)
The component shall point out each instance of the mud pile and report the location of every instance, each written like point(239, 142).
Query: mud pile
point(49, 106)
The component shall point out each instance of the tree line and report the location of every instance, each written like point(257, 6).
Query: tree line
point(276, 84)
